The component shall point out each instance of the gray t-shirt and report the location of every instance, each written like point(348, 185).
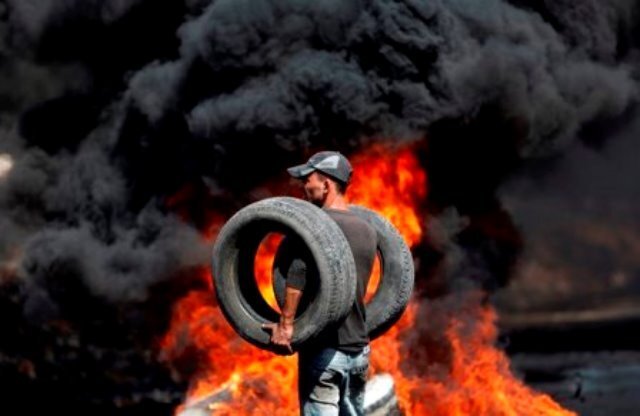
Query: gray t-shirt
point(293, 261)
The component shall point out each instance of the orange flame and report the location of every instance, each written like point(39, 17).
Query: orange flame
point(466, 375)
point(263, 266)
point(391, 182)
point(227, 365)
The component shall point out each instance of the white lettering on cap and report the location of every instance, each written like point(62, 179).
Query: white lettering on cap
point(330, 162)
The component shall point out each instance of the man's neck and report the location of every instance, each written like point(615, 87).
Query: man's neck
point(336, 201)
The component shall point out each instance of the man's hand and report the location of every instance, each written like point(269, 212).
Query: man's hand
point(281, 334)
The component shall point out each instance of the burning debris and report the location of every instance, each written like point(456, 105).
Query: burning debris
point(379, 400)
point(446, 365)
point(126, 141)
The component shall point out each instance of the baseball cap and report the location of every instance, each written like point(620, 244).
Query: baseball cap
point(331, 163)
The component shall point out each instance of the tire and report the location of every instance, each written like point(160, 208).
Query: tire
point(396, 274)
point(396, 278)
point(233, 268)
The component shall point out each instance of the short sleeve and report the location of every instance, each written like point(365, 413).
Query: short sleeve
point(291, 264)
point(297, 275)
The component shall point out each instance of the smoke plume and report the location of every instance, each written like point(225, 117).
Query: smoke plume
point(111, 109)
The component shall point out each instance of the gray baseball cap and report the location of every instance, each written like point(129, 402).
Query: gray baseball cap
point(333, 164)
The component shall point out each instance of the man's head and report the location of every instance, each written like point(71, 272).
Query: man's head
point(324, 175)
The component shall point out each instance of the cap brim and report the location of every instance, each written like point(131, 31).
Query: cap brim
point(300, 171)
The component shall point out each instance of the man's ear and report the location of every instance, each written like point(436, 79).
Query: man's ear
point(325, 185)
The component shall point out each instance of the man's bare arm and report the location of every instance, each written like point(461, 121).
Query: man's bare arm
point(291, 301)
point(282, 332)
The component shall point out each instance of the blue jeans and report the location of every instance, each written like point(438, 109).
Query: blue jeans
point(332, 382)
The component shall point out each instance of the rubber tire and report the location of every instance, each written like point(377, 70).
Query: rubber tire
point(397, 274)
point(396, 278)
point(233, 268)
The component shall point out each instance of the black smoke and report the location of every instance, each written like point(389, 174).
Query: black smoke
point(108, 109)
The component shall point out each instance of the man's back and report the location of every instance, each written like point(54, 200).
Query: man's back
point(350, 335)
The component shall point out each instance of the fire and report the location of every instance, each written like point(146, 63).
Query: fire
point(392, 183)
point(263, 266)
point(456, 371)
point(245, 377)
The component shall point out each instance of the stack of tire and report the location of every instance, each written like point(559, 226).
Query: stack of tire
point(331, 300)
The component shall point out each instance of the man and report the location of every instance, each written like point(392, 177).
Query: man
point(333, 367)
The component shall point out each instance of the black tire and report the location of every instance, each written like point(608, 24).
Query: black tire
point(396, 274)
point(396, 277)
point(233, 268)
